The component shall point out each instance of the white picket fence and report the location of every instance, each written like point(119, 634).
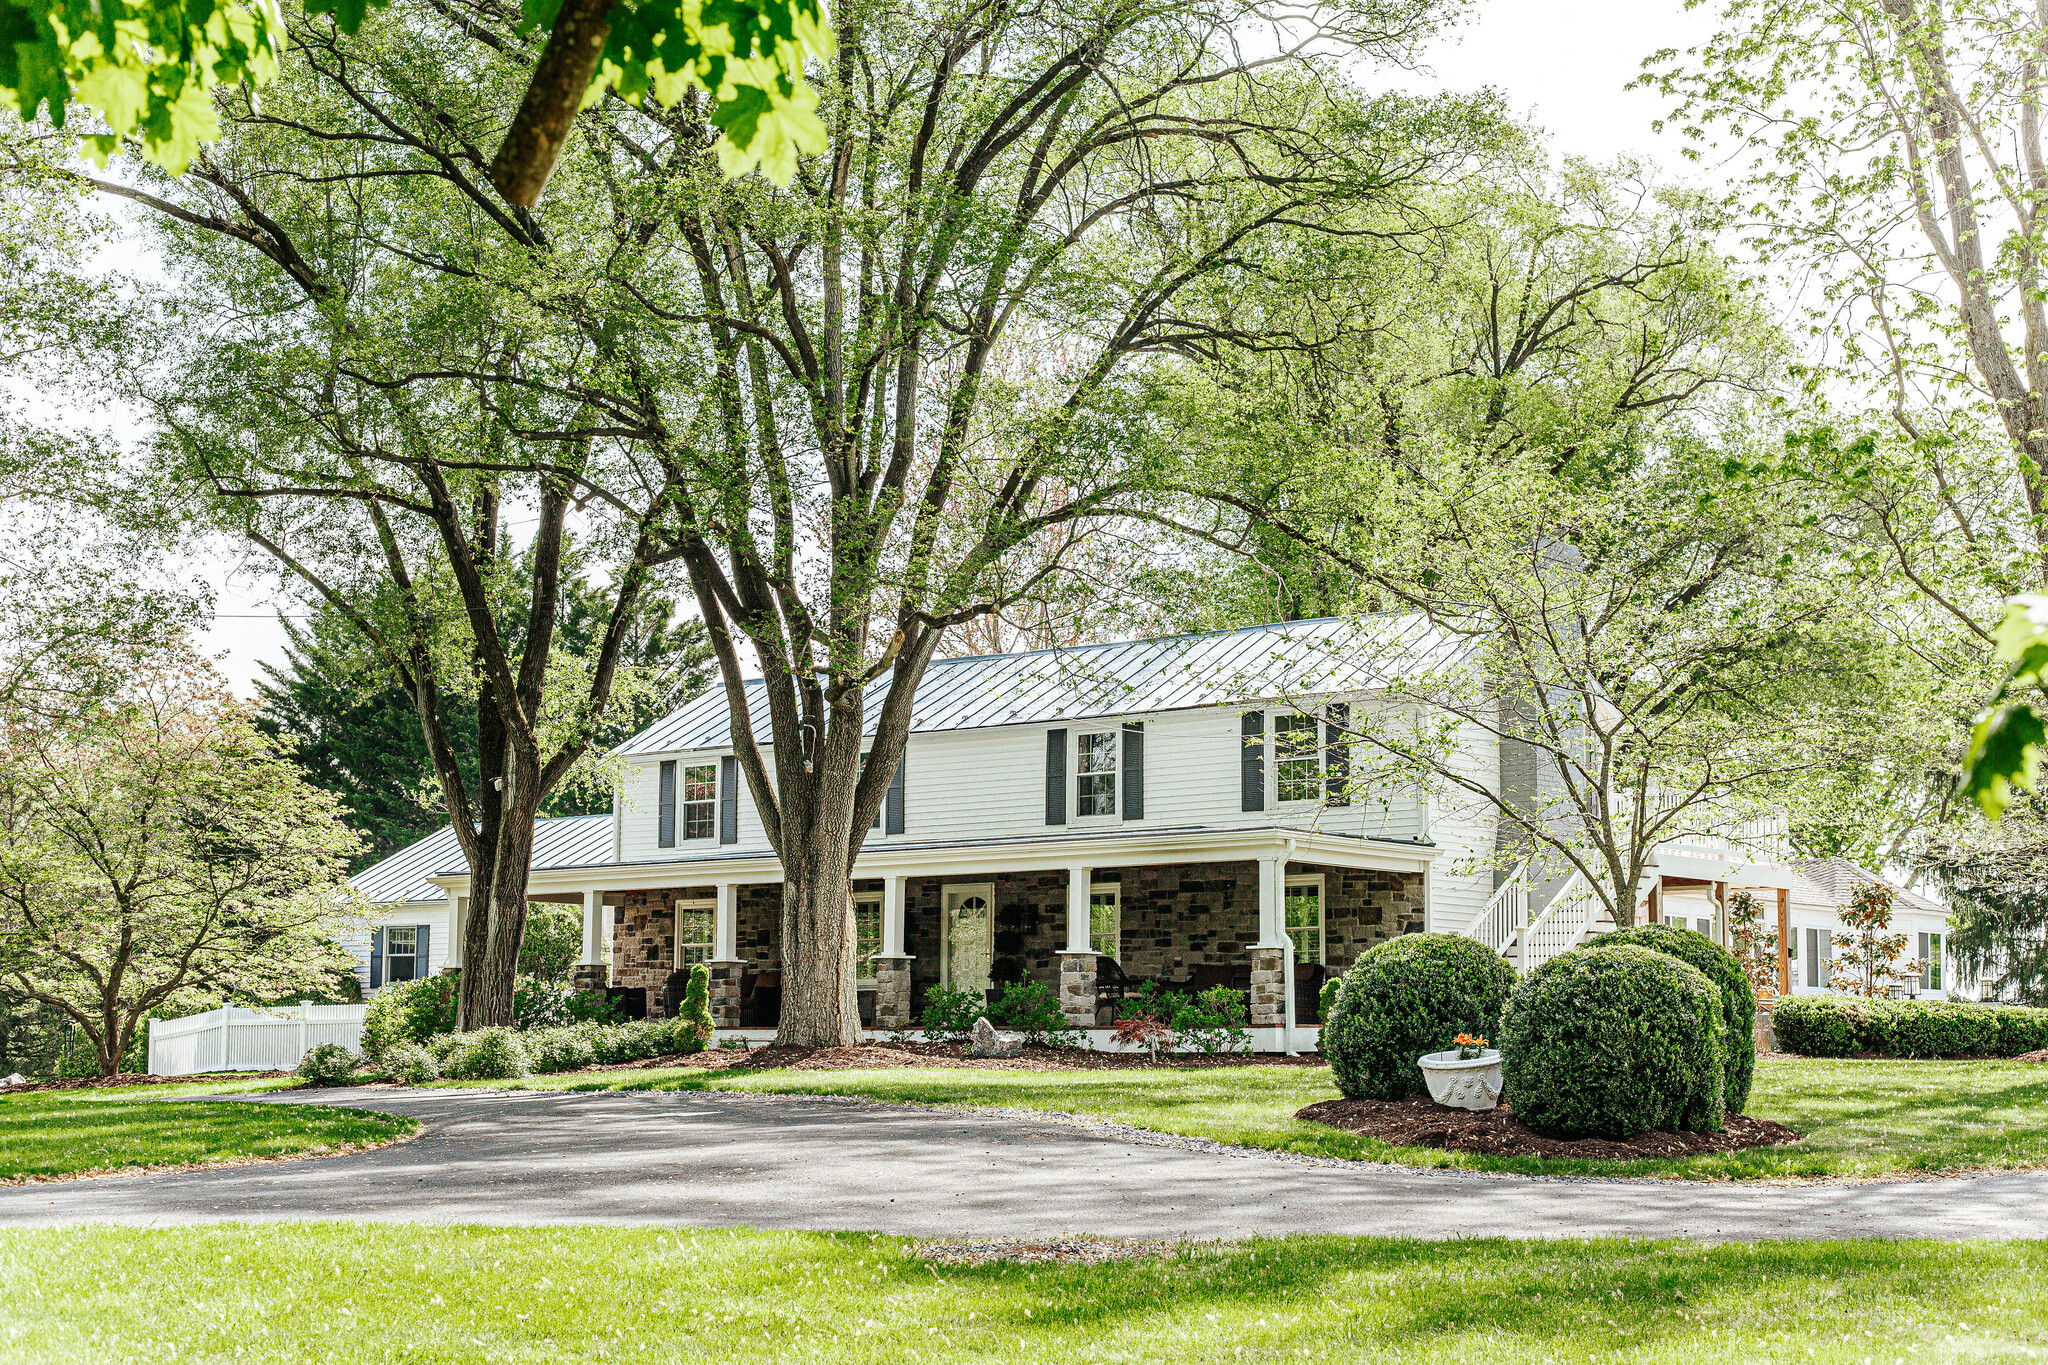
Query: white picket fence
point(236, 1039)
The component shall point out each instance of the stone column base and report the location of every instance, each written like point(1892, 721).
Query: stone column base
point(1269, 987)
point(590, 976)
point(724, 993)
point(892, 991)
point(1077, 989)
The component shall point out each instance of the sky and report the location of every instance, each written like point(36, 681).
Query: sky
point(1563, 66)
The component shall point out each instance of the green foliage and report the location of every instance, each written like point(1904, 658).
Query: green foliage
point(1851, 1025)
point(327, 1064)
point(1409, 996)
point(1738, 997)
point(695, 1013)
point(948, 1015)
point(492, 1054)
point(575, 1046)
point(410, 1063)
point(356, 733)
point(1998, 911)
point(1213, 1021)
point(548, 1004)
point(1613, 1042)
point(408, 1012)
point(1327, 1000)
point(560, 1049)
point(1030, 1008)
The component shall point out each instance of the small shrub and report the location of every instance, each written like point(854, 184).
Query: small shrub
point(1820, 1025)
point(1614, 1042)
point(696, 1010)
point(492, 1054)
point(538, 1004)
point(1326, 1000)
point(1738, 996)
point(559, 1049)
point(409, 1012)
point(1030, 1008)
point(1214, 1021)
point(1409, 996)
point(441, 1046)
point(948, 1015)
point(1142, 1030)
point(327, 1064)
point(411, 1064)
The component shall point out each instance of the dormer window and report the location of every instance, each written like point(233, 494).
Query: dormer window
point(700, 801)
point(1095, 778)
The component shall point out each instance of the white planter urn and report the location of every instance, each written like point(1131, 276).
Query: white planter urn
point(1470, 1084)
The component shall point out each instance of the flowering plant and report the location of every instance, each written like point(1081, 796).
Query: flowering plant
point(1470, 1046)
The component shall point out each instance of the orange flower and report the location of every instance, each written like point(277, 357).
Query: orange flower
point(1467, 1040)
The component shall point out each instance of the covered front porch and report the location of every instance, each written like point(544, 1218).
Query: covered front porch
point(1266, 911)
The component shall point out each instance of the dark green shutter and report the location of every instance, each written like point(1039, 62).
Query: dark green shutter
point(1253, 776)
point(1055, 777)
point(892, 804)
point(419, 961)
point(665, 826)
point(729, 799)
point(1336, 754)
point(376, 959)
point(1134, 770)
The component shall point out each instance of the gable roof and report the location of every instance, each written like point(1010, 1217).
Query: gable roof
point(401, 878)
point(1170, 673)
point(1833, 880)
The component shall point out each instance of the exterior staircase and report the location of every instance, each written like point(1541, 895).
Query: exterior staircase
point(1565, 917)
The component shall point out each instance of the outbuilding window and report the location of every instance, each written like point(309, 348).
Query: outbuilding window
point(401, 952)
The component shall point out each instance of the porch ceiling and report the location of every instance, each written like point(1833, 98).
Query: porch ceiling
point(1034, 853)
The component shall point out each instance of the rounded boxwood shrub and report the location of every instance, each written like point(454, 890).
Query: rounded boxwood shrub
point(1613, 1042)
point(1738, 997)
point(411, 1064)
point(327, 1064)
point(492, 1054)
point(1409, 996)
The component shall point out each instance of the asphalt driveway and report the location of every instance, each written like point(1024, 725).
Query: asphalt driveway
point(721, 1160)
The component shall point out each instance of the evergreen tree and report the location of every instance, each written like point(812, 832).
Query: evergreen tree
point(356, 734)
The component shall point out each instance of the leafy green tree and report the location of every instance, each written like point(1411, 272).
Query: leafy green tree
point(792, 393)
point(356, 734)
point(157, 844)
point(150, 70)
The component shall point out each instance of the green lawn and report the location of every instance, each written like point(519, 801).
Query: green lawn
point(62, 1132)
point(419, 1294)
point(1859, 1118)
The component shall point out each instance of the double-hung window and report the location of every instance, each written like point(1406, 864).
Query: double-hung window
point(1297, 757)
point(1105, 921)
point(700, 801)
point(867, 933)
point(1930, 953)
point(401, 952)
point(1095, 774)
point(696, 922)
point(1303, 906)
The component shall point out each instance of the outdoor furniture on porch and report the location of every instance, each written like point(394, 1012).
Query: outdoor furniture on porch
point(1308, 992)
point(1113, 983)
point(761, 1000)
point(629, 1002)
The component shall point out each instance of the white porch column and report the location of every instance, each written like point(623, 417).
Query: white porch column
point(725, 924)
point(892, 916)
point(593, 928)
point(1272, 901)
point(1079, 882)
point(458, 929)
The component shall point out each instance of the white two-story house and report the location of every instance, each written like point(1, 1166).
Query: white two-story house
point(1180, 810)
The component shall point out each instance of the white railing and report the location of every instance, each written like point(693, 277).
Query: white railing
point(236, 1039)
point(1498, 925)
point(1563, 925)
point(1765, 839)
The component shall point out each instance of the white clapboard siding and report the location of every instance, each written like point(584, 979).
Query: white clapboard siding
point(989, 783)
point(1463, 826)
point(235, 1039)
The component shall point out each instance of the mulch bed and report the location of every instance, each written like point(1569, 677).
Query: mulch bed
point(1422, 1122)
point(879, 1056)
point(102, 1082)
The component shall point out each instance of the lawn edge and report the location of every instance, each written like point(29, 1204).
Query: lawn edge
point(338, 1149)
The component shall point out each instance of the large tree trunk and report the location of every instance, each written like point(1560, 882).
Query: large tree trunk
point(820, 1006)
point(497, 912)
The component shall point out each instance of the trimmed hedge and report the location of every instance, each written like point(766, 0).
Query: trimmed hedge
point(492, 1054)
point(1738, 997)
point(569, 1048)
point(1849, 1025)
point(1409, 996)
point(1613, 1042)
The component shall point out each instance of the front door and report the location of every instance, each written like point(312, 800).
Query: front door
point(969, 922)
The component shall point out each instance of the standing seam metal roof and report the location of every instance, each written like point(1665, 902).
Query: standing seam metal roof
point(401, 878)
point(1170, 673)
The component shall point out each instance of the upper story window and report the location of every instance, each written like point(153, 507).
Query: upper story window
point(1095, 774)
point(698, 801)
point(1297, 757)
